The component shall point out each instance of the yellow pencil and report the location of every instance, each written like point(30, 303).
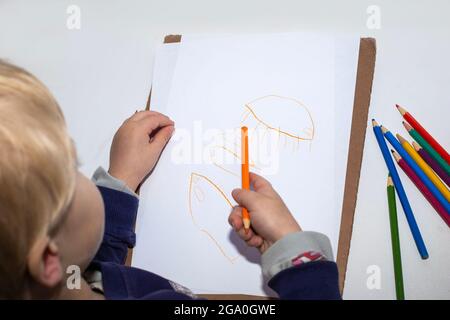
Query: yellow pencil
point(425, 168)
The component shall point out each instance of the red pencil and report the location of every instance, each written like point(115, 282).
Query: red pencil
point(432, 163)
point(421, 130)
point(419, 184)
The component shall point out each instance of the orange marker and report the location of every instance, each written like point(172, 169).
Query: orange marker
point(245, 174)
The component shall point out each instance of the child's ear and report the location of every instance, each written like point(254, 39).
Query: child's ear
point(44, 263)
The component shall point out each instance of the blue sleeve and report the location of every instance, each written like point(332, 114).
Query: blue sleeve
point(120, 216)
point(310, 281)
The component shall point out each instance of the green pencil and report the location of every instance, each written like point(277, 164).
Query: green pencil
point(428, 148)
point(398, 273)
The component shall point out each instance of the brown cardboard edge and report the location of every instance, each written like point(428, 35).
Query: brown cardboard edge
point(172, 38)
point(361, 103)
point(363, 90)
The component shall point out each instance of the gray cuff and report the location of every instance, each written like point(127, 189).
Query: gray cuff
point(279, 256)
point(103, 179)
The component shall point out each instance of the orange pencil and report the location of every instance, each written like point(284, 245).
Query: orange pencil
point(245, 174)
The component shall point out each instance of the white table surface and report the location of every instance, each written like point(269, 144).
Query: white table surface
point(102, 72)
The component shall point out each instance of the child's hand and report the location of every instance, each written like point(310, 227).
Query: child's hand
point(137, 145)
point(270, 218)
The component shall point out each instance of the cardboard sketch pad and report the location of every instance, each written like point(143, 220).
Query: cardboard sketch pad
point(363, 87)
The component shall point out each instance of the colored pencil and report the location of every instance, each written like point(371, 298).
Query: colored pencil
point(149, 100)
point(395, 241)
point(426, 181)
point(432, 163)
point(425, 167)
point(400, 191)
point(421, 130)
point(245, 174)
point(428, 148)
point(423, 189)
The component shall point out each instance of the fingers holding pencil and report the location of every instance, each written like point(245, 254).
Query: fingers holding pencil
point(249, 236)
point(271, 219)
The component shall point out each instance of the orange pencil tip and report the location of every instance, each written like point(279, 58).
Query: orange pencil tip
point(246, 222)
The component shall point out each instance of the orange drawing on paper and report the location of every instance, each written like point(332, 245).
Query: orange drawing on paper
point(214, 197)
point(283, 105)
point(213, 152)
point(274, 114)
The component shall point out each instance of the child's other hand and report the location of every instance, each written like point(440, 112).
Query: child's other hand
point(270, 219)
point(137, 145)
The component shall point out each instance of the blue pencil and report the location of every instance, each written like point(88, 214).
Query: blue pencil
point(426, 181)
point(400, 191)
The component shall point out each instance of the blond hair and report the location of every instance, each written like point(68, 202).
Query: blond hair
point(37, 171)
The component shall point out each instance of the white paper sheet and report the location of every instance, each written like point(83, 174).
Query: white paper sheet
point(182, 226)
point(163, 70)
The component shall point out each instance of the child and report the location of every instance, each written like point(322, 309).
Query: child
point(53, 218)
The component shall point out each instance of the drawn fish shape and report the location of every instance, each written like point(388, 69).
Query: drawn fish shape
point(276, 114)
point(209, 208)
